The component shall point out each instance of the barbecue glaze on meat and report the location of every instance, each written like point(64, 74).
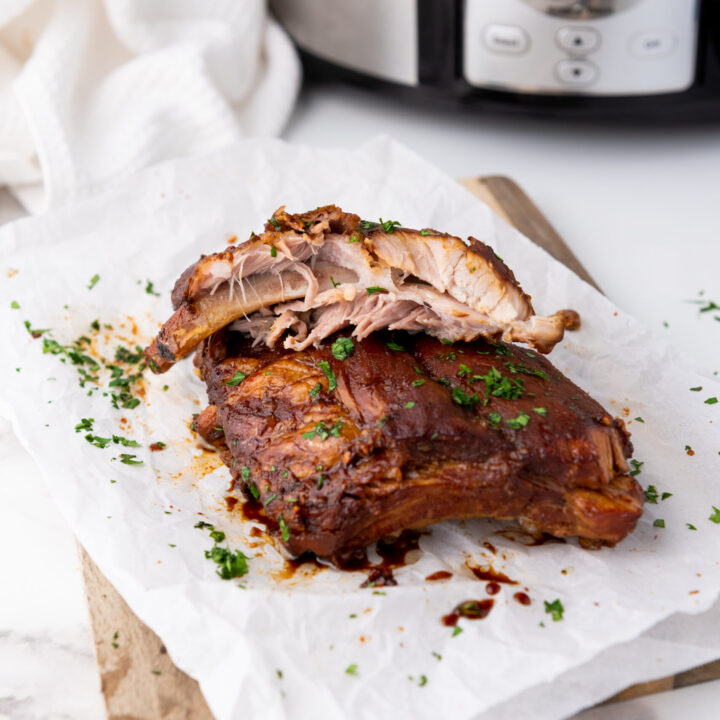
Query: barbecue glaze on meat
point(308, 276)
point(343, 452)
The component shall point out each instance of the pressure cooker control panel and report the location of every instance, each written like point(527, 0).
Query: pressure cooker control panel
point(593, 47)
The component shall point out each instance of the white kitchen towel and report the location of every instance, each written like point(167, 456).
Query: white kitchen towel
point(93, 90)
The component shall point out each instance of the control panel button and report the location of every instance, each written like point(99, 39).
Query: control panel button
point(508, 39)
point(576, 72)
point(653, 43)
point(578, 40)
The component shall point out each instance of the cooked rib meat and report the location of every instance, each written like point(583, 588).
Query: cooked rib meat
point(307, 276)
point(407, 431)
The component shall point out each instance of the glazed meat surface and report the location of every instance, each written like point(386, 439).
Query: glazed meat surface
point(355, 440)
point(308, 276)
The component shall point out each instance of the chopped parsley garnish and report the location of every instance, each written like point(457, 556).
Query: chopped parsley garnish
point(394, 346)
point(84, 424)
point(499, 386)
point(437, 656)
point(540, 411)
point(94, 280)
point(418, 383)
point(456, 631)
point(15, 305)
point(35, 332)
point(426, 232)
point(410, 404)
point(284, 529)
point(315, 391)
point(375, 289)
point(119, 440)
point(324, 365)
point(351, 669)
point(666, 495)
point(639, 419)
point(464, 370)
point(518, 422)
point(236, 379)
point(97, 441)
point(696, 389)
point(334, 284)
point(355, 238)
point(343, 348)
point(494, 418)
point(462, 398)
point(555, 608)
point(636, 465)
point(202, 525)
point(516, 368)
point(690, 526)
point(274, 223)
point(381, 422)
point(389, 225)
point(651, 494)
point(711, 401)
point(273, 251)
point(715, 515)
point(127, 459)
point(322, 431)
point(269, 499)
point(150, 289)
point(230, 564)
point(501, 350)
point(659, 523)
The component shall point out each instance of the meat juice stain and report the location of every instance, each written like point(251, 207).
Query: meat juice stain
point(470, 609)
point(156, 447)
point(493, 588)
point(439, 575)
point(522, 598)
point(490, 547)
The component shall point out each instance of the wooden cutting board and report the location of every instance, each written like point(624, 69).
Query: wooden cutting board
point(139, 680)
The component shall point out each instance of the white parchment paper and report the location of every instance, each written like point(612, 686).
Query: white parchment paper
point(279, 645)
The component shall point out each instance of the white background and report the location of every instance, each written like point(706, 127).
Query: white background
point(639, 206)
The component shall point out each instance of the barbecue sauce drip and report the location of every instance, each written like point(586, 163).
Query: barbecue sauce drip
point(439, 575)
point(522, 598)
point(490, 575)
point(393, 553)
point(493, 588)
point(470, 609)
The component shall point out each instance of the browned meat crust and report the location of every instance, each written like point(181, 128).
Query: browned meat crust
point(412, 434)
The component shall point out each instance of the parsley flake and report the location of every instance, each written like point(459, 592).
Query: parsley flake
point(127, 459)
point(15, 305)
point(636, 465)
point(343, 348)
point(94, 280)
point(375, 289)
point(150, 289)
point(315, 391)
point(274, 223)
point(324, 365)
point(661, 523)
point(284, 529)
point(236, 379)
point(273, 251)
point(690, 526)
point(555, 608)
point(456, 631)
point(418, 383)
point(351, 669)
point(651, 494)
point(518, 422)
point(410, 404)
point(711, 401)
point(394, 346)
point(715, 515)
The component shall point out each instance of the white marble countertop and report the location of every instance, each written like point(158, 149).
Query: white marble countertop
point(638, 206)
